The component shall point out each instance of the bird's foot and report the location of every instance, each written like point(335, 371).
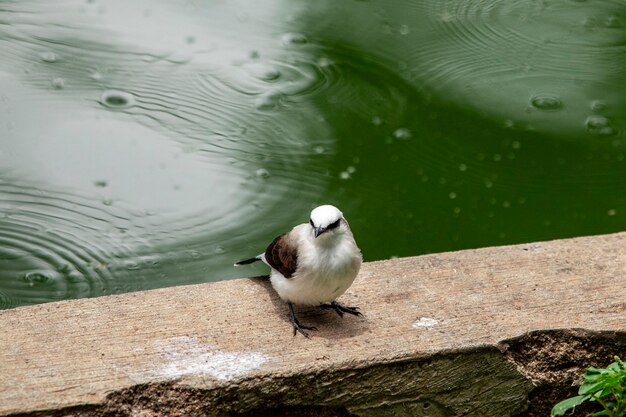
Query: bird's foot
point(340, 309)
point(297, 327)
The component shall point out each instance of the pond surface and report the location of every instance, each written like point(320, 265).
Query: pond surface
point(148, 144)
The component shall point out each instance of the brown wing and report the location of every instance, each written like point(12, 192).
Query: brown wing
point(282, 256)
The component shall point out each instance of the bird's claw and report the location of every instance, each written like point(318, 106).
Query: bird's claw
point(297, 327)
point(340, 309)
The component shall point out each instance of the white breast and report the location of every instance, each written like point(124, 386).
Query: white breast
point(324, 272)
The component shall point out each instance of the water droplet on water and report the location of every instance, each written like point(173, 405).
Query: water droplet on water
point(35, 278)
point(219, 249)
point(546, 101)
point(49, 57)
point(75, 277)
point(151, 260)
point(263, 72)
point(599, 126)
point(319, 150)
point(131, 265)
point(324, 62)
point(96, 76)
point(294, 38)
point(58, 83)
point(452, 195)
point(194, 254)
point(262, 173)
point(402, 133)
point(116, 99)
point(268, 100)
point(611, 212)
point(597, 122)
point(404, 30)
point(462, 167)
point(597, 105)
point(347, 174)
point(377, 121)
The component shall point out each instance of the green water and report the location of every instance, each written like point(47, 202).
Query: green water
point(151, 144)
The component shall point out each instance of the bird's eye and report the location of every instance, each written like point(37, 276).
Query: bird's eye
point(334, 225)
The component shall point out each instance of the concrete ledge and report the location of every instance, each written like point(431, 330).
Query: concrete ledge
point(488, 332)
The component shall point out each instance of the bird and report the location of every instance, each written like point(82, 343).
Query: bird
point(313, 264)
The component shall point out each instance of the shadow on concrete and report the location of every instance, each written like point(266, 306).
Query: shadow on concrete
point(329, 324)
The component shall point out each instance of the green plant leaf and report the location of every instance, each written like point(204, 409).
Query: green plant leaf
point(608, 390)
point(606, 387)
point(563, 406)
point(588, 388)
point(594, 371)
point(594, 374)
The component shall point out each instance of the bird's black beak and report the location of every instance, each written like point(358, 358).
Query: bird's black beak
point(319, 231)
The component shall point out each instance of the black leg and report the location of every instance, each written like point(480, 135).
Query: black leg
point(297, 327)
point(339, 309)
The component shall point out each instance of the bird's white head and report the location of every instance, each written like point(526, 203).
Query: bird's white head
point(327, 220)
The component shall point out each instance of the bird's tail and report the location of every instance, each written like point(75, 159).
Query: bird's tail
point(248, 261)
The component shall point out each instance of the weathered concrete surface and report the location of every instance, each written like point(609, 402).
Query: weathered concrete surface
point(442, 335)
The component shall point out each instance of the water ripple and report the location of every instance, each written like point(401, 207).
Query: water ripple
point(495, 56)
point(170, 140)
point(57, 246)
point(151, 153)
point(504, 37)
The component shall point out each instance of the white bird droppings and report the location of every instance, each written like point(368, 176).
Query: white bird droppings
point(185, 355)
point(425, 322)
